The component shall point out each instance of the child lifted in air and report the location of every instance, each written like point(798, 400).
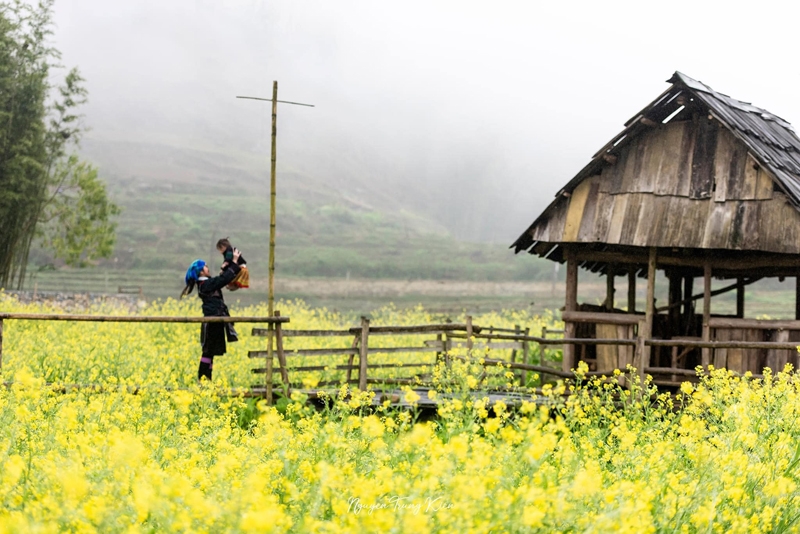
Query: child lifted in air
point(242, 279)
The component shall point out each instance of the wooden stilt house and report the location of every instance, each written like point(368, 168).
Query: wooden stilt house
point(697, 185)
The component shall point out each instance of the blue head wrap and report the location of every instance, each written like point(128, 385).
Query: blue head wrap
point(193, 272)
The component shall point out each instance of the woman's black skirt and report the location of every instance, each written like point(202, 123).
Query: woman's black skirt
point(212, 339)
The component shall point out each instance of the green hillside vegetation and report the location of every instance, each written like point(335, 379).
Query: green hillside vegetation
point(176, 202)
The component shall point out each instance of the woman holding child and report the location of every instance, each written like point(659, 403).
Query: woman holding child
point(213, 336)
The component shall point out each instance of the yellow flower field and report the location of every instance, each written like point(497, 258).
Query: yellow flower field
point(722, 456)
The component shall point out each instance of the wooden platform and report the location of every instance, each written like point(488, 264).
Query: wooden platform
point(397, 397)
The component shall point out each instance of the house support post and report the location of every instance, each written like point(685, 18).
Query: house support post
point(632, 290)
point(610, 288)
point(674, 304)
point(688, 306)
point(642, 359)
point(740, 298)
point(705, 358)
point(571, 304)
point(796, 298)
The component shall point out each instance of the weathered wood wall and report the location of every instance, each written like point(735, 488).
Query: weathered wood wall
point(687, 184)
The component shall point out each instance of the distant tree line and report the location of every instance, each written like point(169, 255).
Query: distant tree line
point(47, 194)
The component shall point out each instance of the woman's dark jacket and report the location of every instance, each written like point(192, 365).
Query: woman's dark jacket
point(210, 291)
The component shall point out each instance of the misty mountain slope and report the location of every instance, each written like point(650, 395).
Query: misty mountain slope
point(138, 168)
point(178, 201)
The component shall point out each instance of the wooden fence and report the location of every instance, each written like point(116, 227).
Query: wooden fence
point(444, 338)
point(273, 322)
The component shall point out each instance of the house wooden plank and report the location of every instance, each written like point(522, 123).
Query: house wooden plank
point(771, 227)
point(755, 358)
point(696, 218)
point(717, 226)
point(660, 221)
point(645, 220)
point(631, 220)
point(722, 163)
point(624, 353)
point(751, 224)
point(750, 178)
point(667, 182)
point(653, 144)
point(721, 355)
point(763, 185)
point(605, 179)
point(633, 166)
point(615, 173)
point(607, 357)
point(791, 237)
point(671, 234)
point(577, 202)
point(684, 186)
point(587, 224)
point(703, 158)
point(736, 356)
point(738, 163)
point(777, 359)
point(602, 218)
point(736, 235)
point(618, 213)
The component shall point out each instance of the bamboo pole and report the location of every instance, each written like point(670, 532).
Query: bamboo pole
point(272, 198)
point(272, 216)
point(362, 361)
point(1, 345)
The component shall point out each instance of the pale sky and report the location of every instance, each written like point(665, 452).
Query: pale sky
point(504, 100)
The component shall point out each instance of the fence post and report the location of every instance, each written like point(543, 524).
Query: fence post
point(1, 345)
point(268, 383)
point(526, 355)
point(469, 333)
point(514, 351)
point(362, 360)
point(447, 345)
point(351, 358)
point(281, 355)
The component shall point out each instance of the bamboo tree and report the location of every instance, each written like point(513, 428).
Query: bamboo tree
point(44, 191)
